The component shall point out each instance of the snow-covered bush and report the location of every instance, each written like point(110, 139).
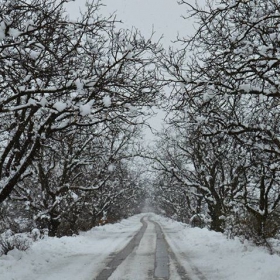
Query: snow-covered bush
point(198, 220)
point(35, 234)
point(10, 241)
point(245, 226)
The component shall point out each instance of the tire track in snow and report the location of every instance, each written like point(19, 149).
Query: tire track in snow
point(118, 258)
point(139, 265)
point(161, 257)
point(193, 274)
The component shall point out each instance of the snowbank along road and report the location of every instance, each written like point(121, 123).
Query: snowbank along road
point(148, 256)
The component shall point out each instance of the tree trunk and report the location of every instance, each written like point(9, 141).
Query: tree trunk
point(217, 223)
point(53, 226)
point(260, 226)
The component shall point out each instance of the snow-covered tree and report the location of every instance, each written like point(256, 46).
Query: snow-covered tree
point(58, 74)
point(76, 169)
point(226, 82)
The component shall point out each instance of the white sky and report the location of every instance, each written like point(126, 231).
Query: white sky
point(161, 16)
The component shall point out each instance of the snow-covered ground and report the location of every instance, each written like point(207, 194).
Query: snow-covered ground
point(83, 257)
point(69, 258)
point(218, 257)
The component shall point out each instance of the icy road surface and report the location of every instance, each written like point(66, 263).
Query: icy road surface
point(147, 256)
point(145, 246)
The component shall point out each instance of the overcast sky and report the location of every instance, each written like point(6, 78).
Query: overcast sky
point(161, 16)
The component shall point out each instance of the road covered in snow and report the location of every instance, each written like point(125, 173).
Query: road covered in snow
point(145, 246)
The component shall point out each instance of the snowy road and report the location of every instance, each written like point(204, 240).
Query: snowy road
point(148, 256)
point(145, 246)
